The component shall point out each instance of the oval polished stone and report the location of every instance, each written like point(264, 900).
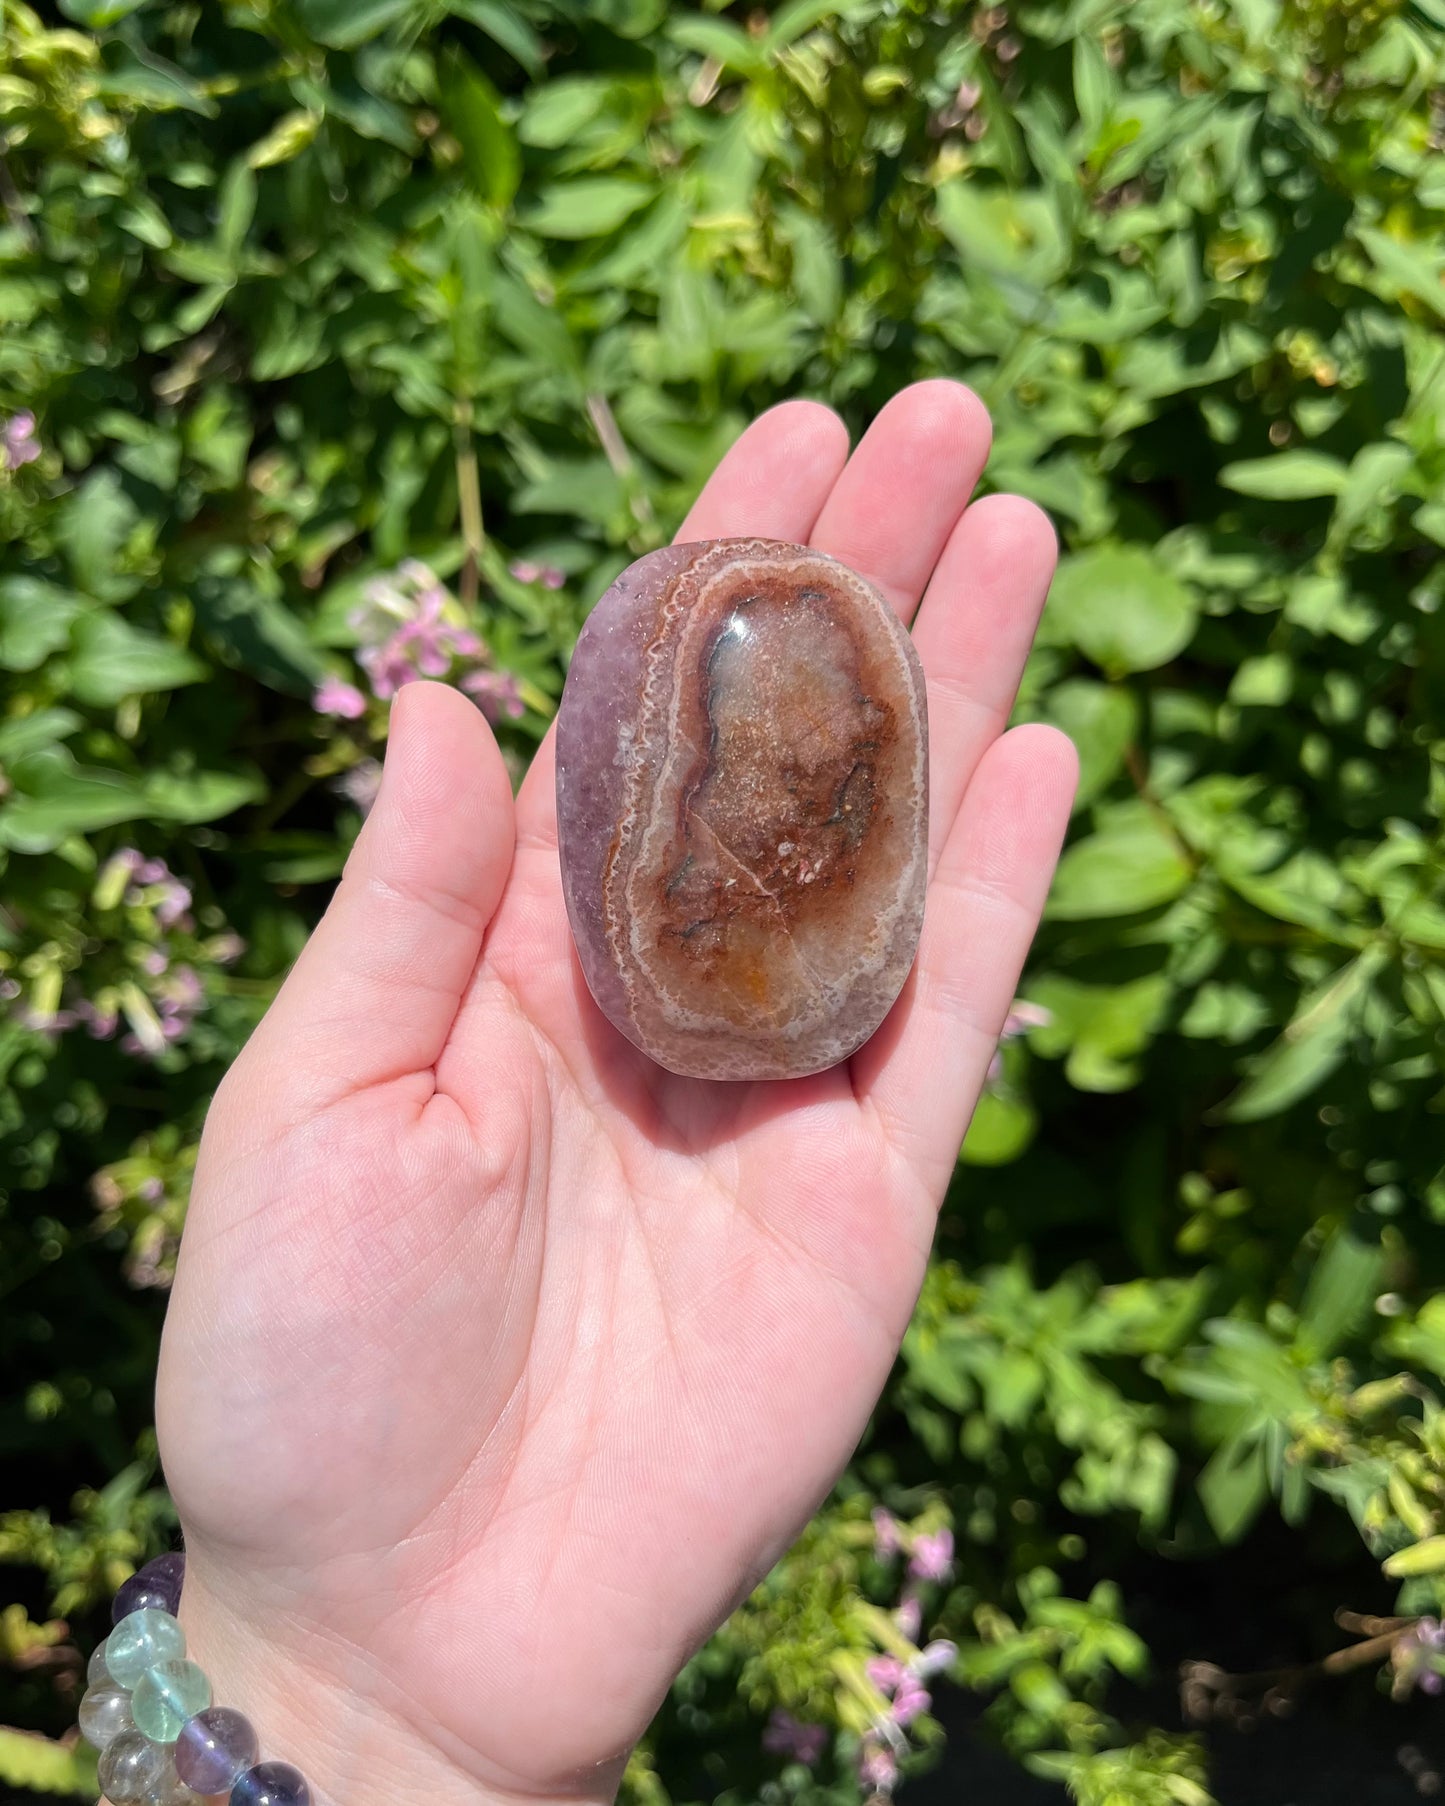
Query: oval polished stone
point(742, 807)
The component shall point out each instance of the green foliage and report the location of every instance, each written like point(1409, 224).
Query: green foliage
point(301, 289)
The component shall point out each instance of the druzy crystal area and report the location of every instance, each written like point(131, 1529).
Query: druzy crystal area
point(742, 807)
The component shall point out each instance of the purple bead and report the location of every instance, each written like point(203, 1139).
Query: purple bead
point(157, 1586)
point(215, 1748)
point(271, 1784)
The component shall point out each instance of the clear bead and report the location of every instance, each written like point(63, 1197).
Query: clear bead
point(129, 1767)
point(96, 1672)
point(139, 1642)
point(104, 1714)
point(166, 1696)
point(170, 1790)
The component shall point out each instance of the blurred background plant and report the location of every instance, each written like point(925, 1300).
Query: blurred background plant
point(343, 341)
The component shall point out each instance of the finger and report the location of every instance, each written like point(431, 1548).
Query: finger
point(973, 635)
point(889, 515)
point(923, 1070)
point(373, 995)
point(771, 485)
point(775, 479)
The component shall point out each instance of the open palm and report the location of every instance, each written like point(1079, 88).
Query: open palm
point(502, 1362)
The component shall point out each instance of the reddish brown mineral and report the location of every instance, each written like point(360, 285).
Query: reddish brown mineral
point(742, 805)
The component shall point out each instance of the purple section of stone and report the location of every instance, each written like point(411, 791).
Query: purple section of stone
point(593, 724)
point(156, 1586)
point(271, 1784)
point(215, 1748)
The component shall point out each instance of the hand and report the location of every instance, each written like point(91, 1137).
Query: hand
point(501, 1363)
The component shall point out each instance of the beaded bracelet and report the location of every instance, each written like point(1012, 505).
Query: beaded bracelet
point(149, 1713)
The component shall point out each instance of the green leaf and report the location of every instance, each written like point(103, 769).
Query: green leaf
point(1288, 476)
point(287, 139)
point(30, 1763)
point(797, 17)
point(587, 207)
point(97, 14)
point(1102, 1028)
point(1233, 1487)
point(1409, 270)
point(502, 25)
point(258, 633)
point(1102, 720)
point(1122, 608)
point(725, 43)
point(472, 108)
point(1132, 863)
point(97, 521)
point(1343, 1284)
point(35, 620)
point(1310, 1048)
point(343, 24)
point(111, 660)
point(200, 796)
point(54, 797)
point(1420, 1558)
point(1002, 1127)
point(22, 734)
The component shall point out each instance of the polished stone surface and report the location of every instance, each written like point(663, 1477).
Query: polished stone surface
point(742, 807)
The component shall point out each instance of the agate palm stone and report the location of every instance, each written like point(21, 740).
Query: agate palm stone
point(742, 807)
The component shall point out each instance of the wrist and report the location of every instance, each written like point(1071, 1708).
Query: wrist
point(329, 1709)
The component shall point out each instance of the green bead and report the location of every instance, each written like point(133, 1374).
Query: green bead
point(139, 1642)
point(166, 1696)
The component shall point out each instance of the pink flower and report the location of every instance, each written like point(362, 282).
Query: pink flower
point(495, 692)
point(100, 1024)
point(550, 576)
point(909, 1616)
point(336, 697)
point(786, 1736)
point(173, 904)
point(885, 1535)
point(886, 1672)
point(911, 1699)
point(226, 948)
point(934, 1659)
point(388, 667)
point(1024, 1016)
point(154, 962)
point(878, 1768)
point(932, 1557)
point(18, 444)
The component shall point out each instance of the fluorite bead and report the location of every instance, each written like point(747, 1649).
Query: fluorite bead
point(130, 1766)
point(104, 1713)
point(170, 1790)
point(140, 1641)
point(96, 1672)
point(215, 1748)
point(166, 1696)
point(156, 1586)
point(271, 1784)
point(742, 808)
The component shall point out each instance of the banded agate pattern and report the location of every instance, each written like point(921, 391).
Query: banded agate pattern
point(742, 802)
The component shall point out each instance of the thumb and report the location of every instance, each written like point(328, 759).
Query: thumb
point(373, 995)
